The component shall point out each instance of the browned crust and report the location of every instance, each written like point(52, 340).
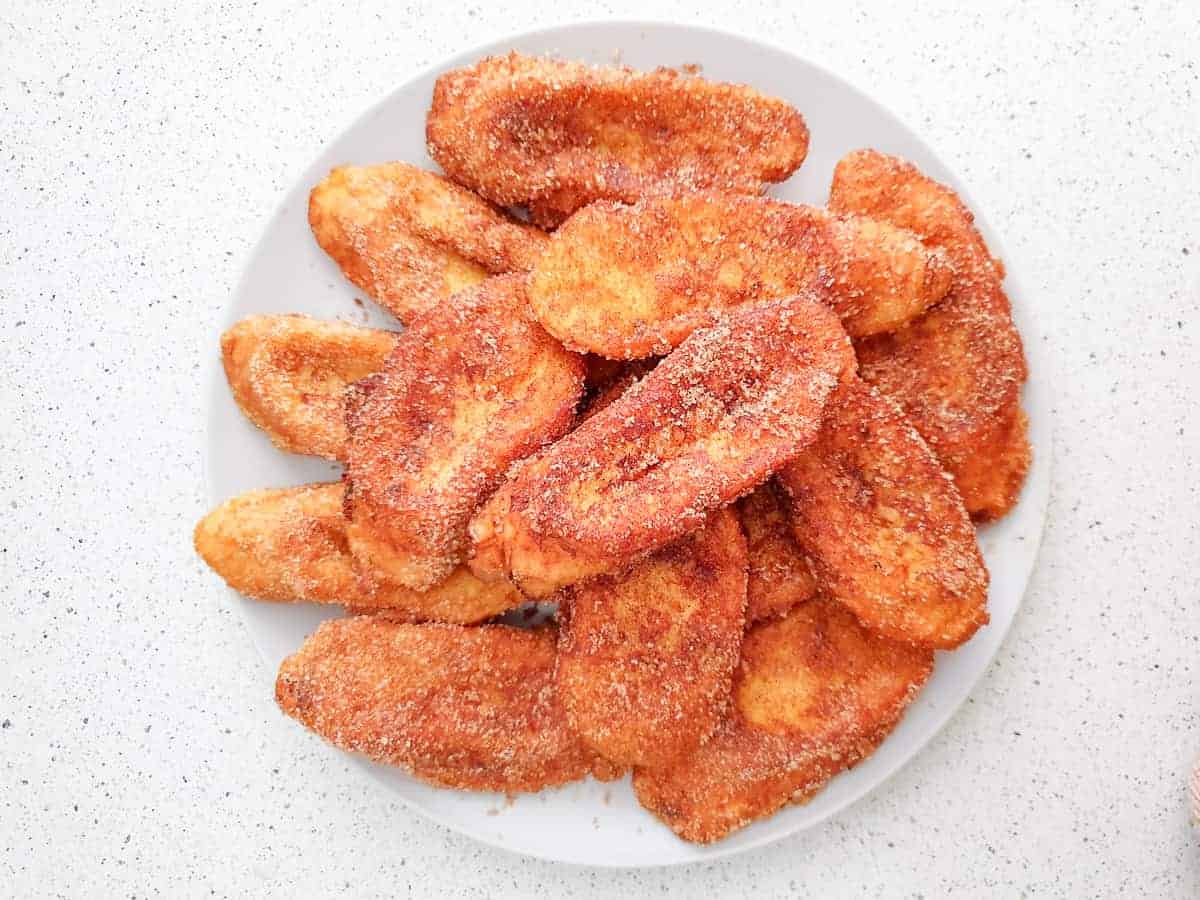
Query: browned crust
point(780, 576)
point(815, 693)
point(645, 659)
point(410, 238)
point(288, 545)
point(555, 135)
point(469, 708)
point(288, 374)
point(884, 526)
point(708, 424)
point(958, 370)
point(630, 281)
point(470, 388)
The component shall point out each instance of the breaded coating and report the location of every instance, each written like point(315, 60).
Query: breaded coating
point(470, 388)
point(555, 135)
point(731, 404)
point(780, 576)
point(630, 281)
point(288, 545)
point(884, 526)
point(645, 659)
point(958, 370)
point(468, 708)
point(410, 238)
point(814, 694)
point(288, 375)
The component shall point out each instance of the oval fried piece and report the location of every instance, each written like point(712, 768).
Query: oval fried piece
point(884, 526)
point(288, 545)
point(957, 370)
point(288, 375)
point(410, 238)
point(779, 576)
point(645, 659)
point(710, 422)
point(555, 135)
point(629, 281)
point(470, 388)
point(468, 708)
point(814, 694)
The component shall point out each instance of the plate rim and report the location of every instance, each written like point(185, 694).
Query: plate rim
point(213, 384)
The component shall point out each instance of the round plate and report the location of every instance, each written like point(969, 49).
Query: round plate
point(591, 823)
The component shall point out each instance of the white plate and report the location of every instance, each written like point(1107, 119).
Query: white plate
point(590, 823)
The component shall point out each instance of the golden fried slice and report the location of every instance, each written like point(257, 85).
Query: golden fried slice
point(645, 659)
point(288, 375)
point(470, 388)
point(815, 693)
point(958, 370)
point(469, 708)
point(555, 135)
point(289, 545)
point(410, 238)
point(710, 422)
point(884, 526)
point(779, 573)
point(629, 281)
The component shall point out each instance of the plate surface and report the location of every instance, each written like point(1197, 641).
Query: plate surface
point(590, 823)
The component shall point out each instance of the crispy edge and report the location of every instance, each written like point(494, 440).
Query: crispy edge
point(884, 525)
point(779, 575)
point(630, 281)
point(958, 370)
point(556, 135)
point(288, 545)
point(708, 424)
point(645, 659)
point(815, 693)
point(288, 374)
point(467, 708)
point(410, 238)
point(468, 390)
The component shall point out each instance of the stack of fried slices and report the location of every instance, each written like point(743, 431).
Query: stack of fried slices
point(739, 444)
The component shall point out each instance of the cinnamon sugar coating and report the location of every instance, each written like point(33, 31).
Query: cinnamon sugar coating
point(470, 388)
point(814, 694)
point(779, 574)
point(957, 370)
point(555, 135)
point(410, 238)
point(884, 525)
point(288, 374)
point(709, 423)
point(288, 545)
point(631, 281)
point(467, 708)
point(645, 658)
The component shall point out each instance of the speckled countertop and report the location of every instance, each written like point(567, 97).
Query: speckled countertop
point(140, 754)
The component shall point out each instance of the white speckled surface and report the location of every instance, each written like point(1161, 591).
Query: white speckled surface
point(140, 752)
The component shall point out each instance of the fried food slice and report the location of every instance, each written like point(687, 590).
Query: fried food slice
point(288, 375)
point(470, 388)
point(555, 135)
point(288, 545)
point(468, 708)
point(884, 526)
point(645, 659)
point(410, 238)
point(779, 573)
point(814, 694)
point(629, 281)
point(709, 423)
point(958, 370)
